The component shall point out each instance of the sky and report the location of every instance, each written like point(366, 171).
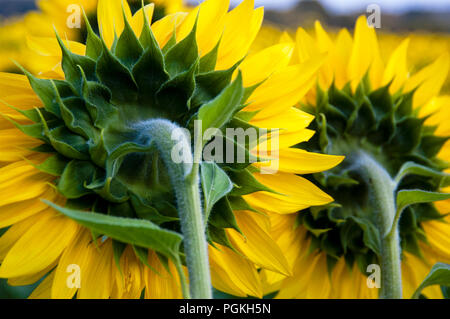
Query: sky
point(346, 6)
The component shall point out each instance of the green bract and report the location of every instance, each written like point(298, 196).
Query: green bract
point(102, 159)
point(386, 128)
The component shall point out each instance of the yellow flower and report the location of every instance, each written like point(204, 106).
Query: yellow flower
point(41, 241)
point(57, 13)
point(365, 104)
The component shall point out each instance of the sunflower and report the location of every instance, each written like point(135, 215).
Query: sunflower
point(56, 13)
point(97, 197)
point(392, 126)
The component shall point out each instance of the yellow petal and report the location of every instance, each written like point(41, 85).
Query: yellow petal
point(129, 279)
point(262, 64)
point(15, 232)
point(241, 27)
point(31, 279)
point(14, 145)
point(13, 213)
point(306, 46)
point(77, 253)
point(98, 270)
point(428, 81)
point(365, 52)
point(340, 56)
point(40, 246)
point(257, 245)
point(32, 182)
point(43, 291)
point(161, 285)
point(211, 21)
point(285, 88)
point(14, 84)
point(438, 237)
point(137, 21)
point(296, 286)
point(164, 28)
point(50, 46)
point(291, 119)
point(233, 274)
point(324, 42)
point(397, 68)
point(297, 194)
point(297, 161)
point(110, 19)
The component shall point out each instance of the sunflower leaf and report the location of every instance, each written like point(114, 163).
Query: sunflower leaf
point(138, 232)
point(215, 183)
point(406, 198)
point(439, 275)
point(411, 168)
point(220, 111)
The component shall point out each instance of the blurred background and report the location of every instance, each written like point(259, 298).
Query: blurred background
point(425, 22)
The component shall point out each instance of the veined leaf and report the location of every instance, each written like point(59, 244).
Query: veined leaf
point(411, 168)
point(221, 110)
point(439, 275)
point(215, 183)
point(406, 198)
point(137, 232)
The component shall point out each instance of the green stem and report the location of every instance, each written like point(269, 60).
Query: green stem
point(185, 181)
point(382, 197)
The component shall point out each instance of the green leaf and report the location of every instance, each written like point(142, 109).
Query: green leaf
point(116, 76)
point(94, 46)
point(222, 216)
point(74, 178)
point(221, 110)
point(142, 254)
point(53, 165)
point(182, 55)
point(72, 63)
point(137, 232)
point(411, 168)
point(215, 183)
point(371, 235)
point(439, 275)
point(45, 90)
point(407, 136)
point(245, 183)
point(406, 198)
point(211, 84)
point(97, 101)
point(149, 70)
point(118, 249)
point(177, 92)
point(209, 60)
point(128, 48)
point(445, 292)
point(67, 143)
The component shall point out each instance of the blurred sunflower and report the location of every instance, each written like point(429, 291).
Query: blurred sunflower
point(72, 141)
point(392, 126)
point(56, 13)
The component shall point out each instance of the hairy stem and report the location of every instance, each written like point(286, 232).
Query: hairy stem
point(382, 197)
point(170, 139)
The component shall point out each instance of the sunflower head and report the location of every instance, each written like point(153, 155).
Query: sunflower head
point(374, 110)
point(89, 109)
point(92, 122)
